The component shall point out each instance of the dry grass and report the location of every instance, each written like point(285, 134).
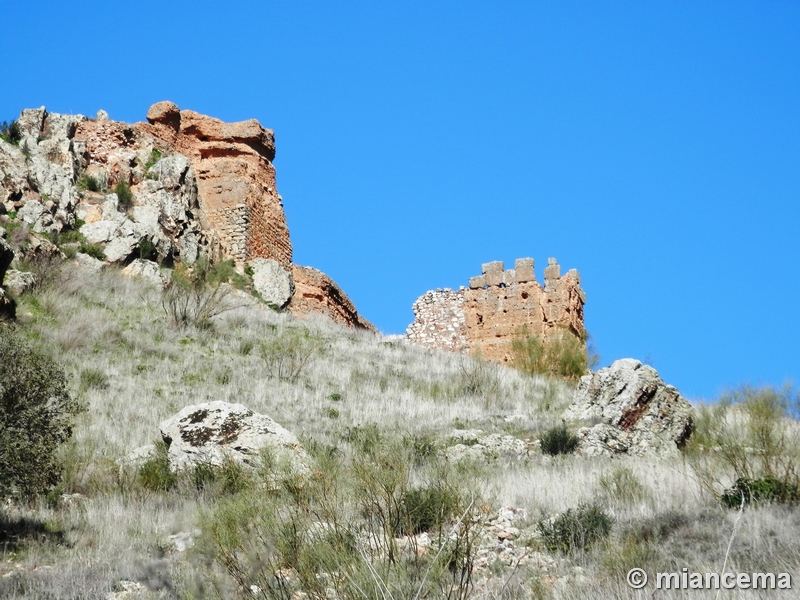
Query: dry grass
point(112, 324)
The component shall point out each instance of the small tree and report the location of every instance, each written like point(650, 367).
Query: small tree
point(36, 413)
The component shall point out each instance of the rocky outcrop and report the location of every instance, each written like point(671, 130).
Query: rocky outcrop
point(238, 196)
point(638, 413)
point(499, 306)
point(176, 188)
point(315, 292)
point(214, 432)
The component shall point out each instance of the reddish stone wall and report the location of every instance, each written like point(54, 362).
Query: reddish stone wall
point(238, 196)
point(497, 307)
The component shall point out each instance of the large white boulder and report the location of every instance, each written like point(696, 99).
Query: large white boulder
point(214, 432)
point(275, 285)
point(634, 412)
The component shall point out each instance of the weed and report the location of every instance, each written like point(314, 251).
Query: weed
point(576, 529)
point(155, 474)
point(124, 194)
point(559, 440)
point(88, 182)
point(287, 354)
point(93, 379)
point(622, 485)
point(11, 132)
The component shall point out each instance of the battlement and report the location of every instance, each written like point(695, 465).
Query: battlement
point(499, 303)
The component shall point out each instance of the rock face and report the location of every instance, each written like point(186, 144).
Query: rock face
point(498, 307)
point(315, 292)
point(238, 196)
point(212, 432)
point(638, 413)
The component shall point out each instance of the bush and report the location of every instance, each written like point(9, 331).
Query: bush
point(565, 356)
point(287, 354)
point(767, 489)
point(93, 250)
point(155, 474)
point(193, 297)
point(11, 132)
point(559, 440)
point(124, 194)
point(622, 485)
point(87, 182)
point(94, 379)
point(36, 413)
point(428, 508)
point(576, 529)
point(749, 431)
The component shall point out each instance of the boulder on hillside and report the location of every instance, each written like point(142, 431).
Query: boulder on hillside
point(214, 432)
point(638, 413)
point(272, 282)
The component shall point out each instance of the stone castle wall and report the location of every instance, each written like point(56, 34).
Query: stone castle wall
point(238, 195)
point(499, 305)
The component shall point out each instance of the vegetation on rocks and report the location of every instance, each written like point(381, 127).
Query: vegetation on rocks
point(10, 132)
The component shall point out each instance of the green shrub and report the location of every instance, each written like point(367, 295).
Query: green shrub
point(767, 489)
point(155, 156)
point(11, 132)
point(124, 194)
point(427, 508)
point(576, 529)
point(88, 182)
point(147, 249)
point(93, 250)
point(155, 474)
point(559, 440)
point(228, 478)
point(36, 414)
point(564, 356)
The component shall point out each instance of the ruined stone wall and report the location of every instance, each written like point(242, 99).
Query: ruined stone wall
point(497, 307)
point(440, 321)
point(238, 196)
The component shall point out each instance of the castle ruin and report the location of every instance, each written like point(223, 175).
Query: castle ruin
point(498, 306)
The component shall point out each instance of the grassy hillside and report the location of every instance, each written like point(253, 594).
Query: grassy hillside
point(372, 413)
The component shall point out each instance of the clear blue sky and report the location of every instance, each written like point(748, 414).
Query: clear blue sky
point(654, 146)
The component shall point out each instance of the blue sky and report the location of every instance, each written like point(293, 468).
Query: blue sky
point(654, 146)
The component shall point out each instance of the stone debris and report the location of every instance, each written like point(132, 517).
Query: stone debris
point(19, 282)
point(475, 445)
point(499, 306)
point(146, 269)
point(638, 413)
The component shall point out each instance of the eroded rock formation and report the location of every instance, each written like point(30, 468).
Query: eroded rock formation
point(191, 186)
point(315, 292)
point(638, 413)
point(499, 306)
